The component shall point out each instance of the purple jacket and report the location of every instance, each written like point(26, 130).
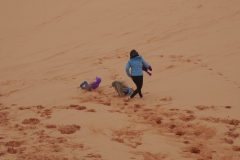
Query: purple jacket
point(95, 84)
point(146, 69)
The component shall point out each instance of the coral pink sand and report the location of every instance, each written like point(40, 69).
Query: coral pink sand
point(191, 103)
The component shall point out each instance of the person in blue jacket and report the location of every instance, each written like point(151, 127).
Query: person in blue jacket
point(135, 63)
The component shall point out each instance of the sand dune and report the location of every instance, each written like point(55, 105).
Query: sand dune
point(191, 103)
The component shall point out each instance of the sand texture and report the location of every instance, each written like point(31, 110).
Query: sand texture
point(190, 108)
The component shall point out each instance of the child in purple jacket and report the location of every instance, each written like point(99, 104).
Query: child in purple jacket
point(90, 86)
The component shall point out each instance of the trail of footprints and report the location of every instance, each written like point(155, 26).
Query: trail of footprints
point(113, 75)
point(196, 61)
point(31, 130)
point(168, 122)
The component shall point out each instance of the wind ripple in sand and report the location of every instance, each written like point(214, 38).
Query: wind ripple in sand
point(128, 137)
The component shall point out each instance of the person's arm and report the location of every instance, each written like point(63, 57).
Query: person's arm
point(127, 69)
point(145, 63)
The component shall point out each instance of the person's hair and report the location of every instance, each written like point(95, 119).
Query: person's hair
point(133, 53)
point(121, 87)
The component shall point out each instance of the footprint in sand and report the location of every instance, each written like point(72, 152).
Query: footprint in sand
point(151, 156)
point(233, 122)
point(14, 143)
point(189, 111)
point(24, 108)
point(31, 121)
point(69, 129)
point(39, 107)
point(236, 148)
point(11, 150)
point(114, 76)
point(194, 150)
point(112, 111)
point(186, 142)
point(128, 137)
point(166, 99)
point(46, 113)
point(77, 107)
point(187, 118)
point(205, 66)
point(158, 120)
point(174, 109)
point(232, 135)
point(49, 126)
point(180, 133)
point(3, 107)
point(220, 74)
point(170, 67)
point(172, 126)
point(92, 155)
point(91, 110)
point(228, 140)
point(55, 148)
point(228, 107)
point(9, 93)
point(137, 106)
point(200, 107)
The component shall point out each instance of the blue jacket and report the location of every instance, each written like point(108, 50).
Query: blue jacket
point(136, 66)
point(129, 91)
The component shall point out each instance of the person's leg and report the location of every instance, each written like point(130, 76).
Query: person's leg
point(138, 80)
point(84, 85)
point(140, 84)
point(136, 90)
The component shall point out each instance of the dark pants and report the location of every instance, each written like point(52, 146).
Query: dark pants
point(85, 85)
point(138, 80)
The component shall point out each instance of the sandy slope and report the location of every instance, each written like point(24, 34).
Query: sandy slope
point(191, 104)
